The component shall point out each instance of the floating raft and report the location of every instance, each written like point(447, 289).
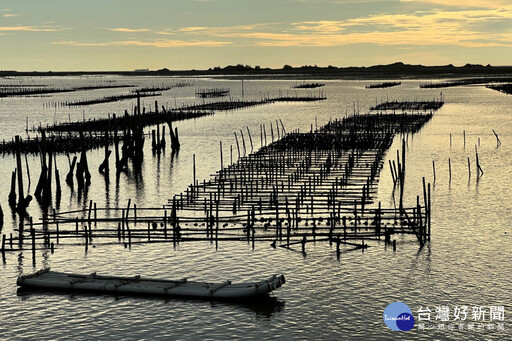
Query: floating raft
point(382, 85)
point(409, 105)
point(505, 88)
point(51, 280)
point(308, 86)
point(211, 93)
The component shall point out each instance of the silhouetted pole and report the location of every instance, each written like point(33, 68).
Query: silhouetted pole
point(12, 193)
point(22, 204)
point(221, 159)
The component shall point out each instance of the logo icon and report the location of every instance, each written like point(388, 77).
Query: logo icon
point(398, 316)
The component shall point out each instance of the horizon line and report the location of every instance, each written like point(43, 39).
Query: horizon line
point(258, 67)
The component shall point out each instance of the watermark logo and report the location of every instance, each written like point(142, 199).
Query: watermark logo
point(461, 317)
point(398, 316)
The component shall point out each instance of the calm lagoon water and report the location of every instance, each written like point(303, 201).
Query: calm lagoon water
point(467, 262)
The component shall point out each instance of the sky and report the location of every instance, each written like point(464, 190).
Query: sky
point(106, 35)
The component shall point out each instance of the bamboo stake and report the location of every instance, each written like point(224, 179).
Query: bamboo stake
point(221, 160)
point(237, 145)
point(250, 139)
point(434, 170)
point(498, 142)
point(450, 169)
point(469, 168)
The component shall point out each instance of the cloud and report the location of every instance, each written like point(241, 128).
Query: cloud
point(165, 32)
point(156, 43)
point(424, 20)
point(320, 26)
point(130, 30)
point(465, 3)
point(191, 29)
point(338, 1)
point(462, 27)
point(31, 28)
point(194, 29)
point(226, 29)
point(380, 38)
point(421, 28)
point(10, 15)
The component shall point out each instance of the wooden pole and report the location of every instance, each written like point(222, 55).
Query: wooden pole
point(243, 141)
point(69, 176)
point(12, 193)
point(176, 137)
point(498, 142)
point(107, 153)
point(402, 177)
point(138, 103)
point(261, 136)
point(57, 179)
point(194, 168)
point(3, 245)
point(469, 168)
point(429, 212)
point(479, 170)
point(392, 174)
point(450, 169)
point(237, 145)
point(221, 159)
point(162, 142)
point(395, 171)
point(434, 169)
point(250, 138)
point(90, 212)
point(282, 126)
point(425, 197)
point(21, 199)
point(47, 193)
point(84, 163)
point(28, 173)
point(158, 145)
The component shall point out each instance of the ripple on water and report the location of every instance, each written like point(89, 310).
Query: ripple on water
point(467, 262)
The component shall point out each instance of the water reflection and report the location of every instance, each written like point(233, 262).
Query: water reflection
point(19, 268)
point(117, 189)
point(263, 307)
point(338, 298)
point(135, 177)
point(107, 191)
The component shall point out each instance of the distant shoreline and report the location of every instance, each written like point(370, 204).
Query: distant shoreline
point(391, 71)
